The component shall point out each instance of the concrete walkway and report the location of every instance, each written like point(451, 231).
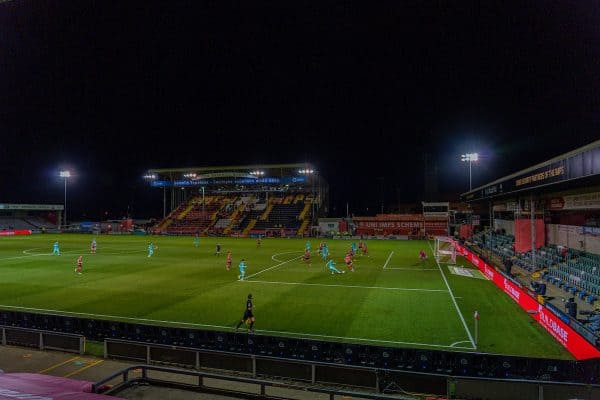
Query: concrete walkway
point(89, 368)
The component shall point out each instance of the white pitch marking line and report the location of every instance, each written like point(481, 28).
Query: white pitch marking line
point(72, 251)
point(58, 312)
point(273, 257)
point(274, 266)
point(412, 269)
point(27, 251)
point(462, 341)
point(454, 300)
point(388, 260)
point(350, 286)
point(27, 256)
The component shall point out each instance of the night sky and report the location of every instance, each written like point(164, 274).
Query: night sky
point(374, 94)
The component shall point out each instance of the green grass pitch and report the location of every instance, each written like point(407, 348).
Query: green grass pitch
point(392, 299)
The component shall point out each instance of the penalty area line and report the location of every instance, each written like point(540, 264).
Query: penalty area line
point(230, 328)
point(274, 266)
point(274, 256)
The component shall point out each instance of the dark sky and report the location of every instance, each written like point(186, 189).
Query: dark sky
point(365, 91)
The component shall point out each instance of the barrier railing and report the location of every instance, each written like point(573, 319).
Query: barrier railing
point(333, 353)
point(127, 381)
point(42, 339)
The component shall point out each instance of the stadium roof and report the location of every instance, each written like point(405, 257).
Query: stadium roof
point(258, 174)
point(578, 164)
point(233, 168)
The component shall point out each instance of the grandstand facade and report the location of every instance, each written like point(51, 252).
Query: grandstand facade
point(279, 200)
point(30, 217)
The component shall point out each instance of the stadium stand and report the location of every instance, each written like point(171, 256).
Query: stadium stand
point(266, 200)
point(577, 273)
point(544, 230)
point(15, 223)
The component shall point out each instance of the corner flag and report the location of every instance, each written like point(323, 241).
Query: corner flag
point(476, 315)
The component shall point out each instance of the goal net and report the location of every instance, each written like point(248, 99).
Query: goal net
point(445, 252)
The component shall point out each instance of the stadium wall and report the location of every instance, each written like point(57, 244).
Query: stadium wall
point(578, 346)
point(573, 237)
point(508, 226)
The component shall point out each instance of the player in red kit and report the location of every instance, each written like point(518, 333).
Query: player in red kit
point(228, 264)
point(79, 265)
point(422, 256)
point(365, 251)
point(306, 257)
point(348, 260)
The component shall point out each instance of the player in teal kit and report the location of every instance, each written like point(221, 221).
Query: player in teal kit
point(332, 268)
point(151, 248)
point(55, 249)
point(242, 268)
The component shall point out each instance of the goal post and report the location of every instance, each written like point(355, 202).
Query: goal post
point(444, 251)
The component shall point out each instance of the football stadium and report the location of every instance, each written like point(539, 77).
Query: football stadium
point(299, 200)
point(454, 293)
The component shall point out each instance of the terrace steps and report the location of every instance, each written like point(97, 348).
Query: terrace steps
point(249, 227)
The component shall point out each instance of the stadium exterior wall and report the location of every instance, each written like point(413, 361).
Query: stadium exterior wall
point(579, 347)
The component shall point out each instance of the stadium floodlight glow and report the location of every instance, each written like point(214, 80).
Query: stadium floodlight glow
point(306, 171)
point(65, 174)
point(257, 173)
point(469, 157)
point(150, 176)
point(190, 175)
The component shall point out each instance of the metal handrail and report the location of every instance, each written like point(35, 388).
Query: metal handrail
point(262, 382)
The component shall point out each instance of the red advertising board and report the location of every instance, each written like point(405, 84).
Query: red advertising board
point(562, 332)
point(371, 227)
point(15, 233)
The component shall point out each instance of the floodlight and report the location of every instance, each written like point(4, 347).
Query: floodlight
point(469, 157)
point(65, 174)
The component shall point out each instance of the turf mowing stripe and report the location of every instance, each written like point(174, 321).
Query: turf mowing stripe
point(388, 260)
point(178, 323)
point(274, 266)
point(349, 286)
point(453, 299)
